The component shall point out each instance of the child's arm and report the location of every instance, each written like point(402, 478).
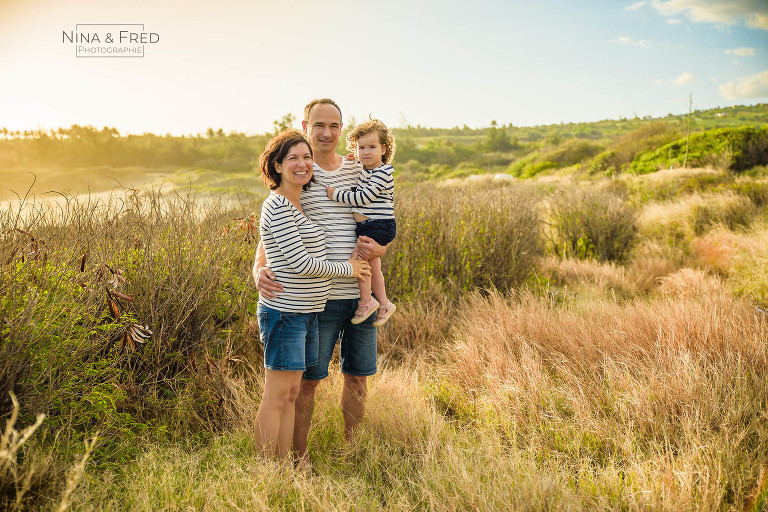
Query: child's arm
point(290, 244)
point(381, 179)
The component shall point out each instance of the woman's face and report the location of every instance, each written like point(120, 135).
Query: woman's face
point(296, 167)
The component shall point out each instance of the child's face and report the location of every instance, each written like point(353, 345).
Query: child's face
point(370, 150)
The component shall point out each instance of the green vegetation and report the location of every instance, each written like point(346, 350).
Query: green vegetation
point(736, 149)
point(732, 137)
point(453, 238)
point(591, 225)
point(84, 146)
point(586, 338)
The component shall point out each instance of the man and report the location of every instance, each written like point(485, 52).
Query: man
point(322, 124)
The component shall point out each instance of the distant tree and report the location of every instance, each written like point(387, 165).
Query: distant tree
point(555, 138)
point(497, 138)
point(209, 133)
point(283, 123)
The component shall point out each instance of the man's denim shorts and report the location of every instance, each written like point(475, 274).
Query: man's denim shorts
point(290, 339)
point(358, 342)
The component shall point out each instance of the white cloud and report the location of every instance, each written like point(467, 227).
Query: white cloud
point(741, 52)
point(758, 20)
point(753, 86)
point(659, 81)
point(674, 21)
point(685, 78)
point(754, 13)
point(635, 6)
point(642, 43)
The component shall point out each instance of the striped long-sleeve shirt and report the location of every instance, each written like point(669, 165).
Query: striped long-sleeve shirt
point(336, 219)
point(295, 250)
point(374, 196)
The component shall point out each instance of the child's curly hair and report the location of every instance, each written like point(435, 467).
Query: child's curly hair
point(385, 138)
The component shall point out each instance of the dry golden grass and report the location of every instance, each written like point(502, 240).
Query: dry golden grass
point(688, 282)
point(679, 173)
point(642, 389)
point(682, 219)
point(672, 392)
point(420, 326)
point(717, 249)
point(15, 477)
point(641, 275)
point(25, 471)
point(647, 405)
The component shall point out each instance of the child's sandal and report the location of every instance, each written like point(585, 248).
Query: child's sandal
point(364, 310)
point(384, 313)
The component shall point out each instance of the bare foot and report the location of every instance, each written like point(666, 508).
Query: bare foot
point(303, 465)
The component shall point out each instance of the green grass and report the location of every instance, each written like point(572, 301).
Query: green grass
point(510, 377)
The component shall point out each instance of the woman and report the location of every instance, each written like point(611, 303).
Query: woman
point(295, 250)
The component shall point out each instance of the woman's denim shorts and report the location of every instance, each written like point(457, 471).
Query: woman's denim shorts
point(290, 339)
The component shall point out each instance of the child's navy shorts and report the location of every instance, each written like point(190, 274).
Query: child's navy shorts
point(381, 230)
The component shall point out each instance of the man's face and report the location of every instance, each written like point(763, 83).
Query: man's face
point(323, 128)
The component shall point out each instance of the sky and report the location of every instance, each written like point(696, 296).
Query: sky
point(241, 64)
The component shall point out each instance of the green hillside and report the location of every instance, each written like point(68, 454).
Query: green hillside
point(103, 159)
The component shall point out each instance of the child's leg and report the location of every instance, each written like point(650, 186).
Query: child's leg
point(365, 289)
point(377, 280)
point(387, 308)
point(364, 285)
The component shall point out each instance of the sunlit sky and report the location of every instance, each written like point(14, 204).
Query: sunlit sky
point(239, 65)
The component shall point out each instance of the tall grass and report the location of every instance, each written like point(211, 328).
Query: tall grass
point(643, 406)
point(15, 478)
point(462, 237)
point(674, 224)
point(593, 225)
point(80, 284)
point(660, 404)
point(510, 377)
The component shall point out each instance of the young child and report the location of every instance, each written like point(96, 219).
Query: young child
point(374, 209)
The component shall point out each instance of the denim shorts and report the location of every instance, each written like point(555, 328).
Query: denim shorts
point(358, 342)
point(290, 339)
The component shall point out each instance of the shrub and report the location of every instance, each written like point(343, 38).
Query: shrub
point(593, 225)
point(453, 237)
point(735, 149)
point(572, 152)
point(756, 191)
point(674, 224)
point(78, 284)
point(603, 163)
point(733, 211)
point(566, 154)
point(517, 167)
point(673, 183)
point(624, 148)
